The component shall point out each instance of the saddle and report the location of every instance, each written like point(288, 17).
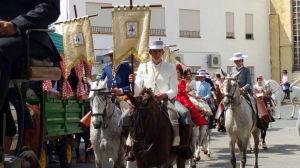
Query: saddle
point(263, 115)
point(262, 111)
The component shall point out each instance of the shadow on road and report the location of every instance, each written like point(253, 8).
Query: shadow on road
point(285, 149)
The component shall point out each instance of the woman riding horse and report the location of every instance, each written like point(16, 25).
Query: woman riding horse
point(265, 96)
point(183, 98)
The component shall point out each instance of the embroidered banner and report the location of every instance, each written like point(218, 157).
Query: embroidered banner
point(131, 29)
point(78, 42)
point(169, 56)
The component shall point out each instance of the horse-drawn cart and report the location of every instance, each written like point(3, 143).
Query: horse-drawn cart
point(61, 121)
point(55, 123)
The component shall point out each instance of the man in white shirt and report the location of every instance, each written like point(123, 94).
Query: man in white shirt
point(161, 77)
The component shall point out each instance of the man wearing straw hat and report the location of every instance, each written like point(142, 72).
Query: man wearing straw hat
point(161, 77)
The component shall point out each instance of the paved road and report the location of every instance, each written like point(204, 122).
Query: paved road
point(282, 139)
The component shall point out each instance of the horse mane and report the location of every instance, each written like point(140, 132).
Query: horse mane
point(145, 96)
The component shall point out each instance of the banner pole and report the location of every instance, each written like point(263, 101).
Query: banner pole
point(132, 71)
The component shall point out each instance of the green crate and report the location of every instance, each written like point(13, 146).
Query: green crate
point(62, 117)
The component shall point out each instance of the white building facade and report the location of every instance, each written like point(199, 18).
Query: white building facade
point(201, 29)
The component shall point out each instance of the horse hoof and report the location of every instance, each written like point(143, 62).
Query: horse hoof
point(208, 155)
point(197, 158)
point(205, 152)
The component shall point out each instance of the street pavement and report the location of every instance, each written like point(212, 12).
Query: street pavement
point(282, 139)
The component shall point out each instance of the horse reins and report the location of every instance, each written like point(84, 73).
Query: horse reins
point(105, 110)
point(228, 88)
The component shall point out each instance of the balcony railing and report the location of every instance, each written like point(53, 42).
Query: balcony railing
point(108, 30)
point(101, 30)
point(189, 34)
point(157, 32)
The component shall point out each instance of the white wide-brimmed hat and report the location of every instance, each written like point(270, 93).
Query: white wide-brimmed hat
point(238, 56)
point(109, 52)
point(202, 71)
point(201, 74)
point(156, 45)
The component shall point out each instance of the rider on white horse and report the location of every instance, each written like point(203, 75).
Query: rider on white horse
point(244, 78)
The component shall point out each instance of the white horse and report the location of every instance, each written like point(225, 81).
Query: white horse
point(295, 94)
point(201, 135)
point(277, 95)
point(105, 132)
point(240, 120)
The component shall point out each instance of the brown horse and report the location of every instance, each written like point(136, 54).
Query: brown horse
point(151, 133)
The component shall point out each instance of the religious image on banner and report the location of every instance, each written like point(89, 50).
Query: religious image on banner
point(78, 42)
point(131, 30)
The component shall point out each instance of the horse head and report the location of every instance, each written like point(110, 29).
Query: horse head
point(99, 101)
point(142, 111)
point(231, 89)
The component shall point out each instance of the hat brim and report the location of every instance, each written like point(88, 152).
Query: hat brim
point(201, 75)
point(109, 53)
point(238, 58)
point(156, 47)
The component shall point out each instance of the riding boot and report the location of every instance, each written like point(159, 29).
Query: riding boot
point(176, 140)
point(128, 149)
point(185, 151)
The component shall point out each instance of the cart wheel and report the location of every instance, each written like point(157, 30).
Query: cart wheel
point(65, 153)
point(43, 157)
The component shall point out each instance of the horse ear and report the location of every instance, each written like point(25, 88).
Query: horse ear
point(224, 73)
point(236, 75)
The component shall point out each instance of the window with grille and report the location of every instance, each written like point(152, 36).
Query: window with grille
point(101, 24)
point(189, 23)
point(230, 25)
point(296, 34)
point(249, 26)
point(157, 25)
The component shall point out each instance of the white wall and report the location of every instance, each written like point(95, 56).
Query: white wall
point(212, 30)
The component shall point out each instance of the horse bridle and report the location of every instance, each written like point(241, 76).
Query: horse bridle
point(107, 95)
point(230, 95)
